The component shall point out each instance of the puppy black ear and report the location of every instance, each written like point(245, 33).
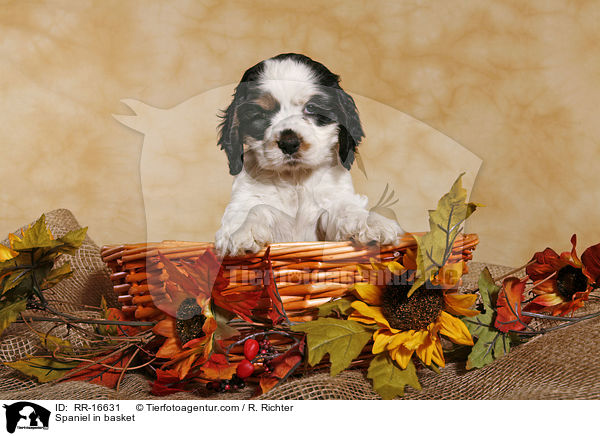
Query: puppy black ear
point(230, 139)
point(351, 132)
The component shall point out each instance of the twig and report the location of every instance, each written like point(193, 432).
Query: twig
point(514, 271)
point(91, 321)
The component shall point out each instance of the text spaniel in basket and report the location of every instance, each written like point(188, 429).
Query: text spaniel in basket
point(290, 134)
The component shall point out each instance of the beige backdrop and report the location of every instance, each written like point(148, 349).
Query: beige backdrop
point(515, 83)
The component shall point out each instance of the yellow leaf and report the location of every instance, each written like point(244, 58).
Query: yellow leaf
point(6, 253)
point(9, 311)
point(36, 236)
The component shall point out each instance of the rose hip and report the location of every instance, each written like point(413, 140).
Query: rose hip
point(244, 369)
point(251, 348)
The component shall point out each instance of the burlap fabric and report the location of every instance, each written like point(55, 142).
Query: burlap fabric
point(558, 365)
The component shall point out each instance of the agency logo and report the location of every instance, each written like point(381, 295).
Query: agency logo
point(26, 415)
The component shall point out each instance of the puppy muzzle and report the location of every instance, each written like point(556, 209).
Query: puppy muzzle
point(288, 142)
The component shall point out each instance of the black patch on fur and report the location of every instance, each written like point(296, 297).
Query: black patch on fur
point(230, 135)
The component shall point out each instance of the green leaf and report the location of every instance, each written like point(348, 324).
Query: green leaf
point(56, 275)
point(488, 289)
point(72, 241)
point(491, 344)
point(45, 369)
point(343, 340)
point(341, 306)
point(38, 236)
point(9, 311)
point(445, 223)
point(389, 379)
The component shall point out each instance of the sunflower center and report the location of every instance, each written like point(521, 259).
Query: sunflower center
point(414, 313)
point(189, 321)
point(569, 281)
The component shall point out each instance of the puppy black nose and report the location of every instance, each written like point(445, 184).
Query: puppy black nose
point(288, 141)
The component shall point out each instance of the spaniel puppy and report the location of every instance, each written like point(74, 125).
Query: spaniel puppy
point(290, 135)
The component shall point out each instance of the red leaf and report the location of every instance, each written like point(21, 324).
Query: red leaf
point(283, 367)
point(218, 368)
point(508, 306)
point(207, 271)
point(591, 263)
point(167, 382)
point(102, 375)
point(276, 312)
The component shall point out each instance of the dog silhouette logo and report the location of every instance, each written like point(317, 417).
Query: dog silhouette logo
point(26, 415)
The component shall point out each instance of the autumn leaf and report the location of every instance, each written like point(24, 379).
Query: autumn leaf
point(114, 314)
point(167, 383)
point(343, 340)
point(218, 368)
point(26, 270)
point(186, 283)
point(342, 306)
point(6, 253)
point(56, 275)
point(491, 343)
point(445, 223)
point(45, 369)
point(508, 306)
point(71, 242)
point(591, 263)
point(224, 330)
point(283, 367)
point(102, 375)
point(53, 343)
point(9, 311)
point(36, 236)
point(389, 379)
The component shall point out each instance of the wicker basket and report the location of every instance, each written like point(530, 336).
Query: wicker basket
point(307, 274)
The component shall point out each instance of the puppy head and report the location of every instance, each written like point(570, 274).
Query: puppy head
point(291, 114)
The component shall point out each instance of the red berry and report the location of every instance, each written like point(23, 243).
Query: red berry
point(244, 369)
point(251, 349)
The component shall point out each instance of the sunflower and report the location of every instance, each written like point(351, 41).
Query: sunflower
point(561, 282)
point(408, 325)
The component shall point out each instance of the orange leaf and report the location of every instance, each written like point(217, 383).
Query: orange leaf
point(508, 306)
point(283, 367)
point(218, 368)
point(175, 275)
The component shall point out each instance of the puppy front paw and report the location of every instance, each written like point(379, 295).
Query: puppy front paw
point(375, 229)
point(383, 230)
point(238, 243)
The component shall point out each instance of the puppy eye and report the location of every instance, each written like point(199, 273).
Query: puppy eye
point(311, 109)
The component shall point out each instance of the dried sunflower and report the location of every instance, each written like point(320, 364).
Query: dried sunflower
point(562, 282)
